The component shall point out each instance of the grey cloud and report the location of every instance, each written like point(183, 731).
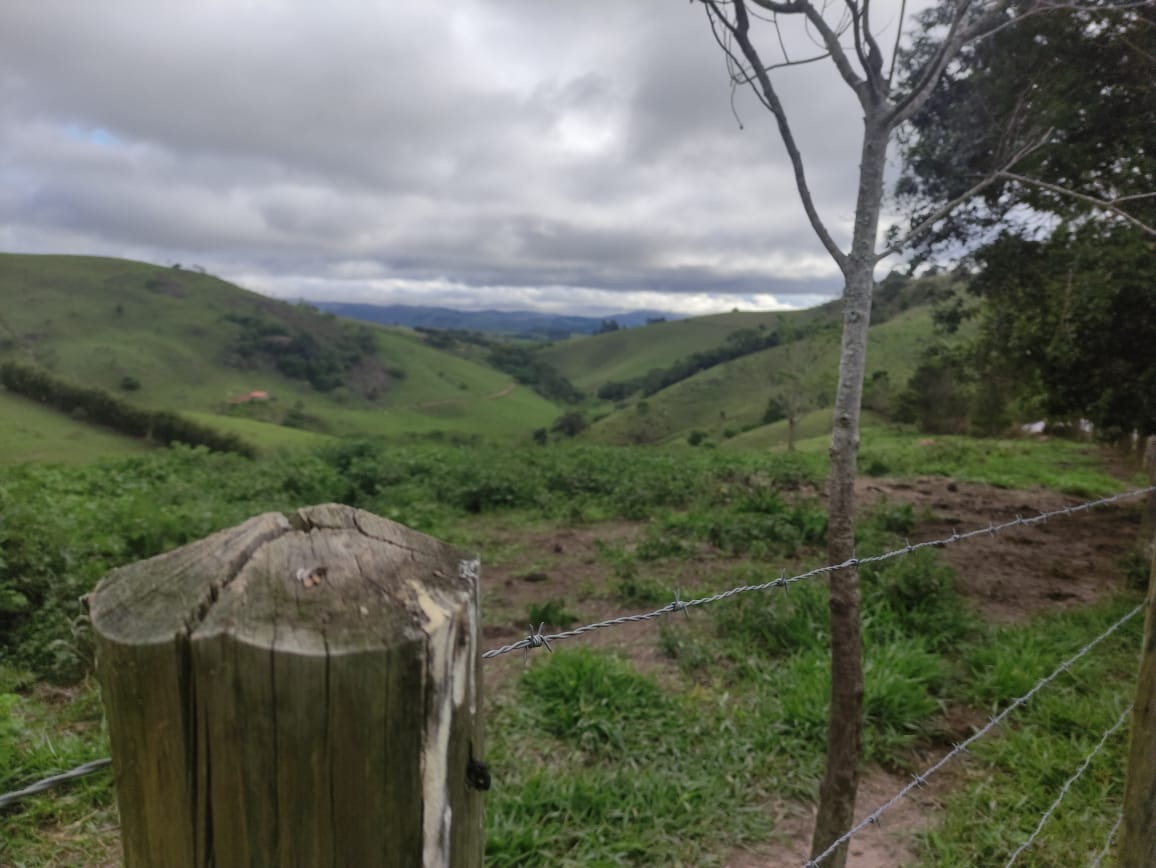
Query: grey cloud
point(506, 143)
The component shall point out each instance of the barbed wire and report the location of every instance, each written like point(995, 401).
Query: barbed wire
point(536, 639)
point(921, 779)
point(1103, 854)
point(48, 783)
point(1108, 733)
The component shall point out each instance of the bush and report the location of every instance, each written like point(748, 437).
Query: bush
point(570, 424)
point(552, 613)
point(599, 703)
point(696, 437)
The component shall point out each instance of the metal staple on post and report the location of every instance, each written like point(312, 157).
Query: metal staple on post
point(873, 817)
point(1108, 733)
point(537, 640)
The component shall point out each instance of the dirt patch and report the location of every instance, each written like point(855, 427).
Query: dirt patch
point(1064, 563)
point(887, 844)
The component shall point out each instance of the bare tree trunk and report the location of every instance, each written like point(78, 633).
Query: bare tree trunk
point(841, 779)
point(792, 421)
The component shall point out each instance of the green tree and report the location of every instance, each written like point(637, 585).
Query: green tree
point(1073, 320)
point(887, 102)
point(1054, 114)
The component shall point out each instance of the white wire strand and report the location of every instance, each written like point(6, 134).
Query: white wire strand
point(921, 780)
point(1108, 733)
point(1103, 854)
point(535, 639)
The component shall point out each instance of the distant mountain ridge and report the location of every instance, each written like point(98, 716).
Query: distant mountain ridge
point(526, 323)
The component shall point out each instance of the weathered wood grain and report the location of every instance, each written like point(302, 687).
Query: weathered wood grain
point(301, 691)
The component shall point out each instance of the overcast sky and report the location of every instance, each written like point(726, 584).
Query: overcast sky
point(565, 156)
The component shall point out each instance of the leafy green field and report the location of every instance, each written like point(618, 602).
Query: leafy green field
point(595, 760)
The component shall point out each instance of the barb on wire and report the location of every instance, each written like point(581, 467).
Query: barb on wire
point(1108, 733)
point(874, 816)
point(785, 581)
point(1103, 854)
point(40, 786)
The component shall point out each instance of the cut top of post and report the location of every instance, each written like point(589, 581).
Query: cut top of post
point(327, 580)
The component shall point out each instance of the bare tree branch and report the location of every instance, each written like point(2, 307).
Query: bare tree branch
point(1110, 205)
point(829, 35)
point(895, 47)
point(874, 55)
point(802, 62)
point(933, 70)
point(740, 31)
point(944, 210)
point(857, 32)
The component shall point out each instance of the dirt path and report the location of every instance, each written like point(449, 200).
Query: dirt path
point(501, 393)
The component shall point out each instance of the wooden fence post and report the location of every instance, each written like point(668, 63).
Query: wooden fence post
point(301, 691)
point(1138, 832)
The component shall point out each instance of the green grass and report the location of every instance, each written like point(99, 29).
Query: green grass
point(264, 435)
point(1014, 775)
point(731, 398)
point(31, 432)
point(44, 733)
point(96, 321)
point(1062, 465)
point(590, 361)
point(594, 762)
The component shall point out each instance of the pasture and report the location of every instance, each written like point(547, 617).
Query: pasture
point(697, 740)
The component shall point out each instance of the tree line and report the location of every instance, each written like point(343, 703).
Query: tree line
point(97, 406)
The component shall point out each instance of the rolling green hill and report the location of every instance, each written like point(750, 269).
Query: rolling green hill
point(589, 362)
point(167, 338)
point(725, 401)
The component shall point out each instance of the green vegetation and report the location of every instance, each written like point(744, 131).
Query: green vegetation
point(593, 762)
point(32, 432)
point(629, 354)
point(102, 408)
point(731, 398)
point(323, 357)
point(1062, 465)
point(1015, 775)
point(194, 343)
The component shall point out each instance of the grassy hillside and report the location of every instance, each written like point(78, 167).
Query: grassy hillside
point(191, 342)
point(30, 432)
point(731, 398)
point(588, 362)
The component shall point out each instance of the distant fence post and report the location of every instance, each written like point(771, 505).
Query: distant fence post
point(301, 691)
point(1138, 833)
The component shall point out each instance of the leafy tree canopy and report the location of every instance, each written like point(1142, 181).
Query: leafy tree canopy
point(1071, 93)
point(1074, 317)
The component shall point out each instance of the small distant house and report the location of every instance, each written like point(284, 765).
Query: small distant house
point(250, 397)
